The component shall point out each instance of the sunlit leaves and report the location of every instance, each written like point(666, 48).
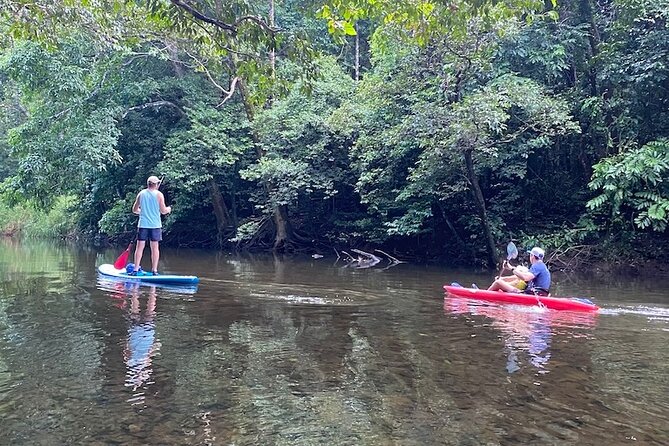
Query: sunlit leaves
point(502, 123)
point(238, 31)
point(70, 131)
point(207, 148)
point(302, 155)
point(634, 182)
point(425, 21)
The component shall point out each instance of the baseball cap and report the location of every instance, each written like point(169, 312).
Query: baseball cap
point(152, 180)
point(537, 252)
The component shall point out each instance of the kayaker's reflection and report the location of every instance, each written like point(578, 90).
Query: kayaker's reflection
point(141, 344)
point(527, 330)
point(536, 343)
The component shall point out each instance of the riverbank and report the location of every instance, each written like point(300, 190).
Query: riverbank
point(642, 254)
point(31, 220)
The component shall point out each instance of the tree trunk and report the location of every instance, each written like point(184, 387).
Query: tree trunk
point(220, 209)
point(480, 204)
point(284, 232)
point(357, 54)
point(461, 243)
point(174, 57)
point(272, 53)
point(594, 40)
point(221, 212)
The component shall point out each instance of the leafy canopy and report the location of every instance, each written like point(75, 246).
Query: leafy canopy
point(634, 183)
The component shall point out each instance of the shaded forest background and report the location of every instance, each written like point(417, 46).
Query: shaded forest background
point(435, 130)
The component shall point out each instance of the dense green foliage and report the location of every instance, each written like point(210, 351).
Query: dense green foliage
point(437, 130)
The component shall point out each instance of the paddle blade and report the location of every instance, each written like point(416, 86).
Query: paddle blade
point(123, 258)
point(511, 251)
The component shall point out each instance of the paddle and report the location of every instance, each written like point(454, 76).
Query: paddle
point(511, 253)
point(123, 258)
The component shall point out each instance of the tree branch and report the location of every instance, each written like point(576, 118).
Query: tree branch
point(233, 83)
point(205, 18)
point(258, 21)
point(155, 104)
point(229, 27)
point(389, 256)
point(229, 94)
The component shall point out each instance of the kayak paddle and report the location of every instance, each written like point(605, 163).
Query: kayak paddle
point(123, 258)
point(511, 253)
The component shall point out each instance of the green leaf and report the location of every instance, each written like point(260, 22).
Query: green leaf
point(349, 29)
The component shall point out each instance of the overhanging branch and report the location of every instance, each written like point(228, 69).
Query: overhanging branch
point(203, 17)
point(229, 27)
point(155, 104)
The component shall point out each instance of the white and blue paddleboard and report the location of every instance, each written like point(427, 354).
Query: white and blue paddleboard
point(172, 279)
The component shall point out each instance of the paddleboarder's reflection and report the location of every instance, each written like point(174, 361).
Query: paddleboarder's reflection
point(524, 329)
point(141, 344)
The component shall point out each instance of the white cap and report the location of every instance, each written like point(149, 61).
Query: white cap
point(152, 180)
point(537, 252)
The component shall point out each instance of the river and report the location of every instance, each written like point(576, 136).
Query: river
point(270, 351)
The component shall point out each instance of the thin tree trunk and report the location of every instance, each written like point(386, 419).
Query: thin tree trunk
point(217, 200)
point(220, 209)
point(284, 234)
point(594, 40)
point(174, 58)
point(272, 53)
point(357, 54)
point(480, 204)
point(451, 227)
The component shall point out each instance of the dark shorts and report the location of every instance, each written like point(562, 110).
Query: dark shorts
point(150, 234)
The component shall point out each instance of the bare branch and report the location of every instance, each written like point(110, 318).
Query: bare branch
point(229, 27)
point(231, 92)
point(201, 16)
point(258, 21)
point(349, 255)
point(228, 93)
point(367, 262)
point(389, 256)
point(155, 104)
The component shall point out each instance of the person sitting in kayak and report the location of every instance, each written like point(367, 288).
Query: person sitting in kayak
point(538, 278)
point(514, 280)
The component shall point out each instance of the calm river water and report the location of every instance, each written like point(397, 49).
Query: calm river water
point(304, 352)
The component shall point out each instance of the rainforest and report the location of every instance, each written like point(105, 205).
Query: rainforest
point(433, 130)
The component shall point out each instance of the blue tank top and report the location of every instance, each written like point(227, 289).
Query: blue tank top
point(149, 210)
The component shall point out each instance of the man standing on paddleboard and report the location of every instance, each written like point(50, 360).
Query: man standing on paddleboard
point(538, 278)
point(149, 205)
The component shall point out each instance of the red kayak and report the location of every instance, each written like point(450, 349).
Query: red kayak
point(554, 303)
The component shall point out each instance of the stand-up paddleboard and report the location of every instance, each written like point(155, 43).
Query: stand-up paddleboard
point(168, 279)
point(122, 286)
point(554, 303)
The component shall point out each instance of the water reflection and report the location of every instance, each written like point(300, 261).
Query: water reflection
point(525, 330)
point(116, 286)
point(141, 343)
point(304, 353)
